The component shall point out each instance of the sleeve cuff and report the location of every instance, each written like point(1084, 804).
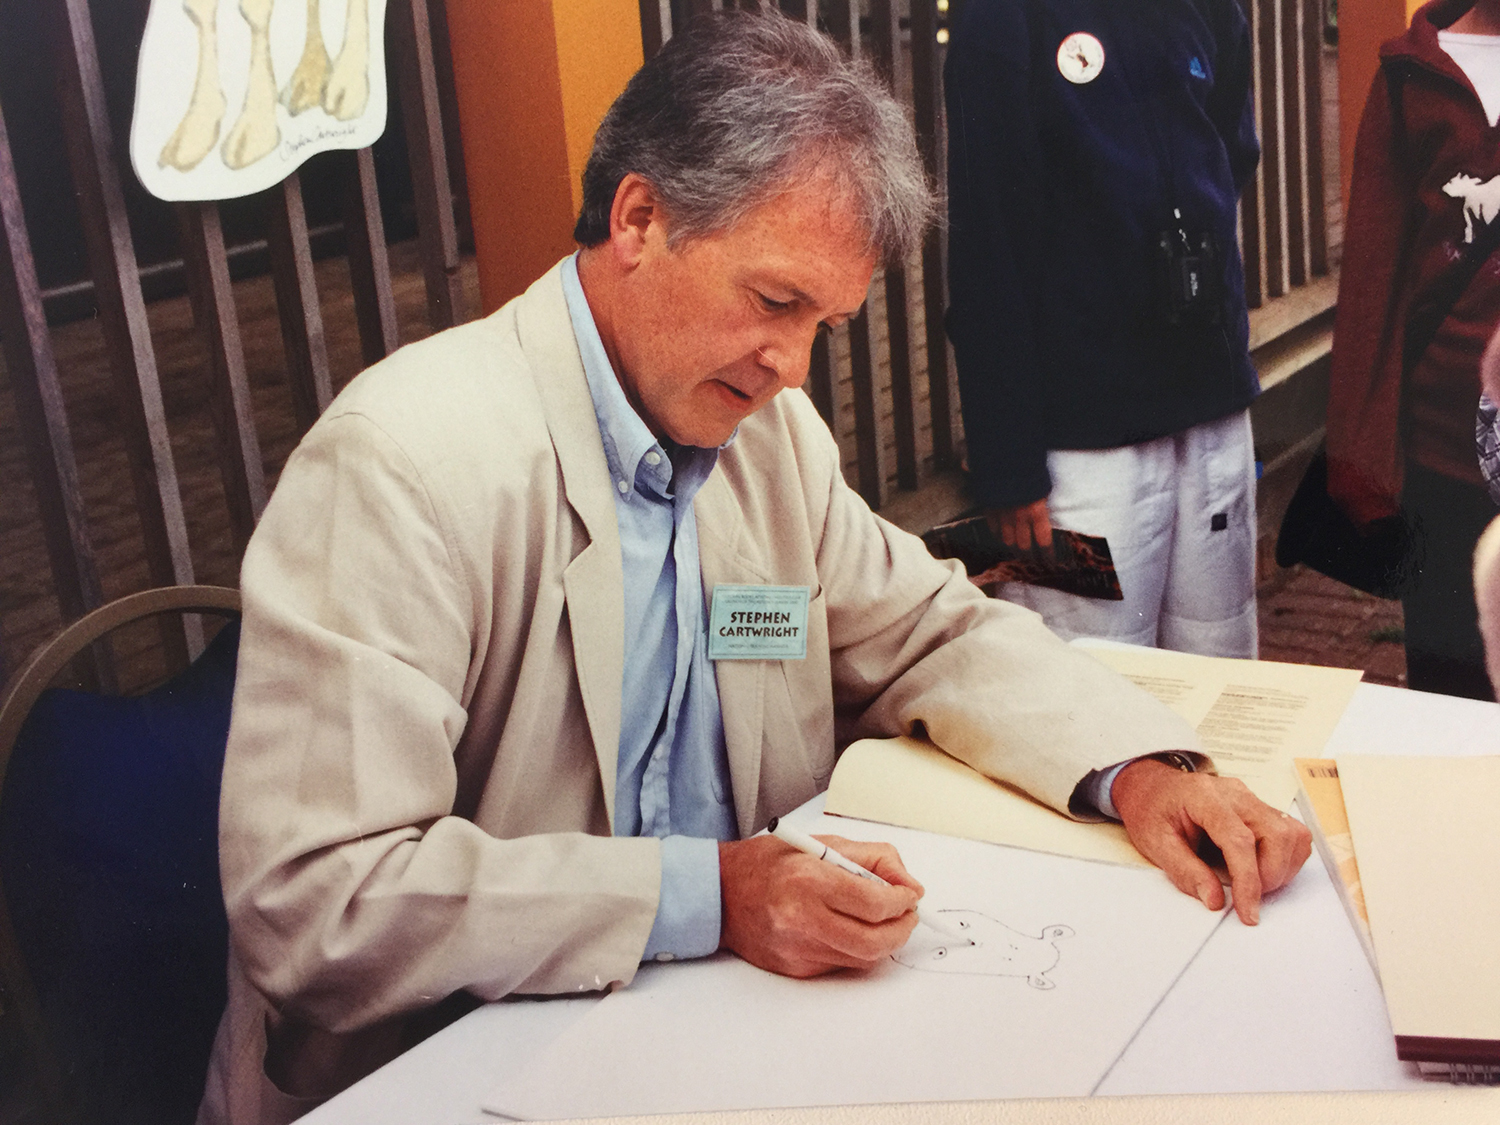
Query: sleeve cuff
point(1093, 790)
point(1094, 793)
point(687, 915)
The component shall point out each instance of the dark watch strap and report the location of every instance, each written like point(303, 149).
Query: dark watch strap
point(1176, 759)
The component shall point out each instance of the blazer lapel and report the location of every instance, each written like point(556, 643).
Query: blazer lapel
point(728, 556)
point(593, 583)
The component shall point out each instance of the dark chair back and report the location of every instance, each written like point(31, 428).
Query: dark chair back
point(109, 865)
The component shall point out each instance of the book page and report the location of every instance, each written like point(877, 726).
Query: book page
point(911, 782)
point(1070, 959)
point(1253, 716)
point(1427, 833)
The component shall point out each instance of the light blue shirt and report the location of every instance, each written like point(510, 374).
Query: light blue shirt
point(672, 777)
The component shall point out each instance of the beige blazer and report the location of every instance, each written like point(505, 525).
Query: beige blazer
point(419, 783)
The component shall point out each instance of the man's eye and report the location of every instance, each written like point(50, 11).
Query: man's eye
point(773, 305)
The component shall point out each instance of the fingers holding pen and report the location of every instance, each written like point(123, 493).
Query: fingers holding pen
point(879, 858)
point(796, 915)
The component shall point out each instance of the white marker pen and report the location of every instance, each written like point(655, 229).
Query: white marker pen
point(819, 850)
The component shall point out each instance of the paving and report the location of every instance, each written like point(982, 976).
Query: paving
point(1306, 618)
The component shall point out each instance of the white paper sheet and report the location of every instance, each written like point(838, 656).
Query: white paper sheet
point(1074, 956)
point(1253, 716)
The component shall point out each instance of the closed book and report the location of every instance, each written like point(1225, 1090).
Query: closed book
point(1427, 834)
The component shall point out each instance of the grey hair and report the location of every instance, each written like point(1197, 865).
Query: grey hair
point(738, 107)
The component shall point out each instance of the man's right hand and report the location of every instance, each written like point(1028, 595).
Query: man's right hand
point(787, 912)
point(1023, 526)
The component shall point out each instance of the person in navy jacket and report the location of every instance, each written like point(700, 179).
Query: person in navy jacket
point(1097, 152)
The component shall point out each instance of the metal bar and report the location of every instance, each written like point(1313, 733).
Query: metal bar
point(453, 142)
point(866, 413)
point(841, 20)
point(237, 447)
point(1293, 139)
point(652, 36)
point(31, 367)
point(411, 41)
point(122, 312)
point(843, 25)
point(885, 34)
point(927, 107)
point(297, 302)
point(1312, 76)
point(369, 261)
point(820, 382)
point(1272, 175)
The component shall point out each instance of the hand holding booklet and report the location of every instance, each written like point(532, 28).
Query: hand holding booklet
point(1075, 564)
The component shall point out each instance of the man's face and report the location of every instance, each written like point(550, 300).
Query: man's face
point(716, 326)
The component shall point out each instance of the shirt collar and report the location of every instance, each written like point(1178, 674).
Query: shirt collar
point(628, 441)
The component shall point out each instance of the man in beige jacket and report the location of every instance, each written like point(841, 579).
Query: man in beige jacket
point(483, 742)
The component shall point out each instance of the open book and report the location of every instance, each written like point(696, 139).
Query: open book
point(1253, 717)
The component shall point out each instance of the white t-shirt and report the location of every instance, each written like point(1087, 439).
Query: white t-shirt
point(1478, 56)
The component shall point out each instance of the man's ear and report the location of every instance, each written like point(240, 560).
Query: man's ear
point(632, 217)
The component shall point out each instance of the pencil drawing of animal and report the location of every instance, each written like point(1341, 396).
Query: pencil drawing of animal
point(997, 950)
point(1481, 199)
point(339, 86)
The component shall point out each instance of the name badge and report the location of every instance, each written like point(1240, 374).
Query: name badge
point(758, 623)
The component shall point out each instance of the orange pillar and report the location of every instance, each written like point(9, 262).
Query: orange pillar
point(1363, 26)
point(534, 78)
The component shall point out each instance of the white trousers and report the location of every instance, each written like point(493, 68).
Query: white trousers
point(1179, 515)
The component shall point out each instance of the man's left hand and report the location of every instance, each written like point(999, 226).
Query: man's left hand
point(1169, 813)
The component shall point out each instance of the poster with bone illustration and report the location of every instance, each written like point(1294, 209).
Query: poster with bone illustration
point(233, 95)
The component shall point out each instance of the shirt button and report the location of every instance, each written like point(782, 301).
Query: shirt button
point(666, 956)
point(623, 486)
point(653, 458)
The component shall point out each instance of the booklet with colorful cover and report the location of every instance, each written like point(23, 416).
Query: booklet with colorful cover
point(1321, 799)
point(1075, 564)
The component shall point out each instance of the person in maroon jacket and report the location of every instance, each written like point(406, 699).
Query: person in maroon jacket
point(1426, 184)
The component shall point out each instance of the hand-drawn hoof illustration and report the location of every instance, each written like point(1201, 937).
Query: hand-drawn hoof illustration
point(305, 89)
point(199, 129)
point(348, 88)
point(341, 87)
point(271, 37)
point(1481, 200)
point(255, 134)
point(998, 950)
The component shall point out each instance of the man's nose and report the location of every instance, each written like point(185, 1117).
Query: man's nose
point(789, 358)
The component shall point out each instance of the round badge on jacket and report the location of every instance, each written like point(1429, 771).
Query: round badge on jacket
point(1080, 58)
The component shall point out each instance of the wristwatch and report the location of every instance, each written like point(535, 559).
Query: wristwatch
point(1176, 759)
